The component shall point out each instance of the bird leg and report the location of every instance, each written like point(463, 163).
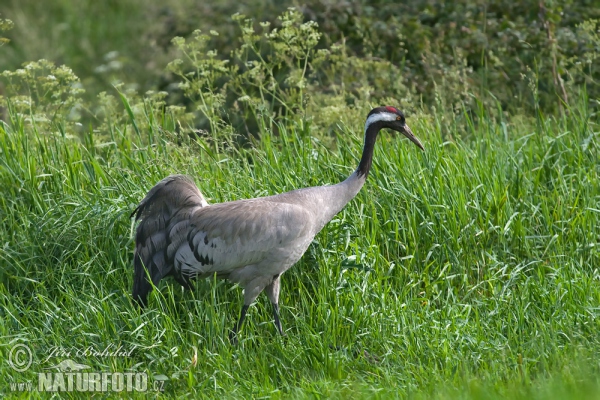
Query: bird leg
point(272, 291)
point(236, 328)
point(277, 321)
point(251, 291)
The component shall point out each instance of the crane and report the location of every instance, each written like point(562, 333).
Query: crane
point(251, 242)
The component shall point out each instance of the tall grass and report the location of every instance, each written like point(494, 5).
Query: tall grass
point(474, 260)
point(469, 270)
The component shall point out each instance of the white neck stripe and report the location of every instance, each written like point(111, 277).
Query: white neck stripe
point(382, 116)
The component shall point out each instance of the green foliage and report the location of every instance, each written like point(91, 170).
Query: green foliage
point(43, 93)
point(471, 45)
point(277, 73)
point(267, 75)
point(5, 25)
point(469, 270)
point(422, 49)
point(455, 48)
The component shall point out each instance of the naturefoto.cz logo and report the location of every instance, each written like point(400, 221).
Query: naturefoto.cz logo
point(71, 376)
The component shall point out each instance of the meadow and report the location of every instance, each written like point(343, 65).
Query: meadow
point(469, 270)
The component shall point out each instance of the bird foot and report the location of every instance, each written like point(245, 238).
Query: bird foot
point(233, 338)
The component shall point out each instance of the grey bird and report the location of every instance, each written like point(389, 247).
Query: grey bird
point(251, 242)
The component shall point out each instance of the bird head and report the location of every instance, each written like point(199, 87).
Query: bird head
point(392, 118)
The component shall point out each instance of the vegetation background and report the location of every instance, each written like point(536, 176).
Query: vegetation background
point(468, 271)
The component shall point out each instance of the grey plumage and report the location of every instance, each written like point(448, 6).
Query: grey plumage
point(164, 215)
point(251, 242)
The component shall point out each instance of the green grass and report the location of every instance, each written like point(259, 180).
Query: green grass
point(469, 270)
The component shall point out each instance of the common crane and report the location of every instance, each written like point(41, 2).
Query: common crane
point(251, 242)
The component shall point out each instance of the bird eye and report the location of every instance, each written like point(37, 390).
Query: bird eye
point(398, 118)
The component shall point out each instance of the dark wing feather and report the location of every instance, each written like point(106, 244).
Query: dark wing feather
point(168, 204)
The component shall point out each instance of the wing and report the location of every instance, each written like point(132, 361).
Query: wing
point(227, 236)
point(169, 203)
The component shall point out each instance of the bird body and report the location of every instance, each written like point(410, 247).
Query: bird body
point(251, 242)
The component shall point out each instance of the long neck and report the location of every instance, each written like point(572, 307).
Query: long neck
point(334, 198)
point(351, 186)
point(366, 160)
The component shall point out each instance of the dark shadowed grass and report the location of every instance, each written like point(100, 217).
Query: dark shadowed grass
point(469, 270)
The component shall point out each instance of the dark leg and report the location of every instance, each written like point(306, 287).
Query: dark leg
point(236, 328)
point(276, 317)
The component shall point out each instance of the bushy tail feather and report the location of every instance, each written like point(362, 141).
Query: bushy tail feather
point(167, 203)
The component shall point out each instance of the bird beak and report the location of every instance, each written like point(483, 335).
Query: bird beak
point(408, 133)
